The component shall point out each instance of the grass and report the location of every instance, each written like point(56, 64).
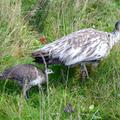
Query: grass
point(98, 98)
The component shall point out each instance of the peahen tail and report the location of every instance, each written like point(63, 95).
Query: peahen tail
point(39, 57)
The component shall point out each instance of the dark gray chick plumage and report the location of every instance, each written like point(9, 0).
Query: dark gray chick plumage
point(27, 75)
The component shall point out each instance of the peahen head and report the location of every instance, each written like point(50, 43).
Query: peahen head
point(117, 26)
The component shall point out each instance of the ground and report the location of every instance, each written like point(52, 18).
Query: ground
point(98, 98)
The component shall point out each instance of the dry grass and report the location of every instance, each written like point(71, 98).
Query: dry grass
point(97, 99)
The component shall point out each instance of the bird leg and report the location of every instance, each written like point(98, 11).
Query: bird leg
point(95, 64)
point(39, 86)
point(26, 91)
point(84, 72)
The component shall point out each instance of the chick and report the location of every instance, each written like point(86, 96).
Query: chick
point(27, 75)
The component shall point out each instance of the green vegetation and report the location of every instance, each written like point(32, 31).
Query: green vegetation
point(98, 98)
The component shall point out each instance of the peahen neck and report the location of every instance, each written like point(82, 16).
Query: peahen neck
point(115, 37)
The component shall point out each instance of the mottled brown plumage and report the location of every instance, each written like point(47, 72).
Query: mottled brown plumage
point(82, 46)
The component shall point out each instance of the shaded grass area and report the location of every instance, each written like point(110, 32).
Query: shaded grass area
point(98, 98)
